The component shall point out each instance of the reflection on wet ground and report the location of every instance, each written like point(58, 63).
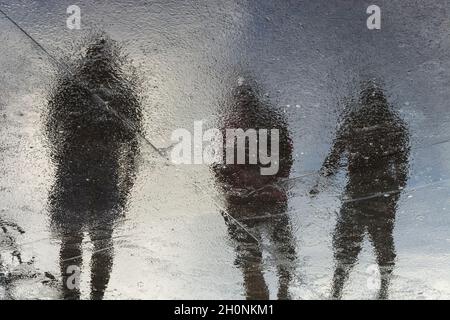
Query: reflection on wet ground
point(254, 203)
point(83, 187)
point(95, 156)
point(376, 143)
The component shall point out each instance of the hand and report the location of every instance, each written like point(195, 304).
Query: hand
point(316, 188)
point(314, 191)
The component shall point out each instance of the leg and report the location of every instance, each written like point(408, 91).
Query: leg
point(347, 240)
point(249, 259)
point(381, 233)
point(70, 259)
point(285, 252)
point(102, 259)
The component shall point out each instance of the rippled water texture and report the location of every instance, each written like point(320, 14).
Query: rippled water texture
point(358, 208)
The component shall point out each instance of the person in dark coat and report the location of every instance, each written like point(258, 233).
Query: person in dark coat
point(375, 142)
point(94, 151)
point(255, 203)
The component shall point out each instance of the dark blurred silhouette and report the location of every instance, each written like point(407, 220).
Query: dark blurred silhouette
point(94, 152)
point(376, 143)
point(254, 200)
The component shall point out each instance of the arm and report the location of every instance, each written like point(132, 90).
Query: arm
point(331, 163)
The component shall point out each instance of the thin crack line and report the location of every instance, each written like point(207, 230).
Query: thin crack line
point(97, 98)
point(100, 101)
point(92, 252)
point(389, 192)
point(228, 215)
point(383, 193)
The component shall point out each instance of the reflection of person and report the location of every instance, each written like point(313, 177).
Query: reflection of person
point(254, 200)
point(376, 144)
point(94, 153)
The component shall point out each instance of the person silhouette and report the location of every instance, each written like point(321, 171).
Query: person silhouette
point(375, 141)
point(254, 202)
point(94, 152)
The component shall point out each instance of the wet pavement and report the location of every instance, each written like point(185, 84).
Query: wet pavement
point(359, 208)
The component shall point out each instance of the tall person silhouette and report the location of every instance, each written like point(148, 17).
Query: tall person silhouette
point(376, 143)
point(254, 203)
point(94, 154)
